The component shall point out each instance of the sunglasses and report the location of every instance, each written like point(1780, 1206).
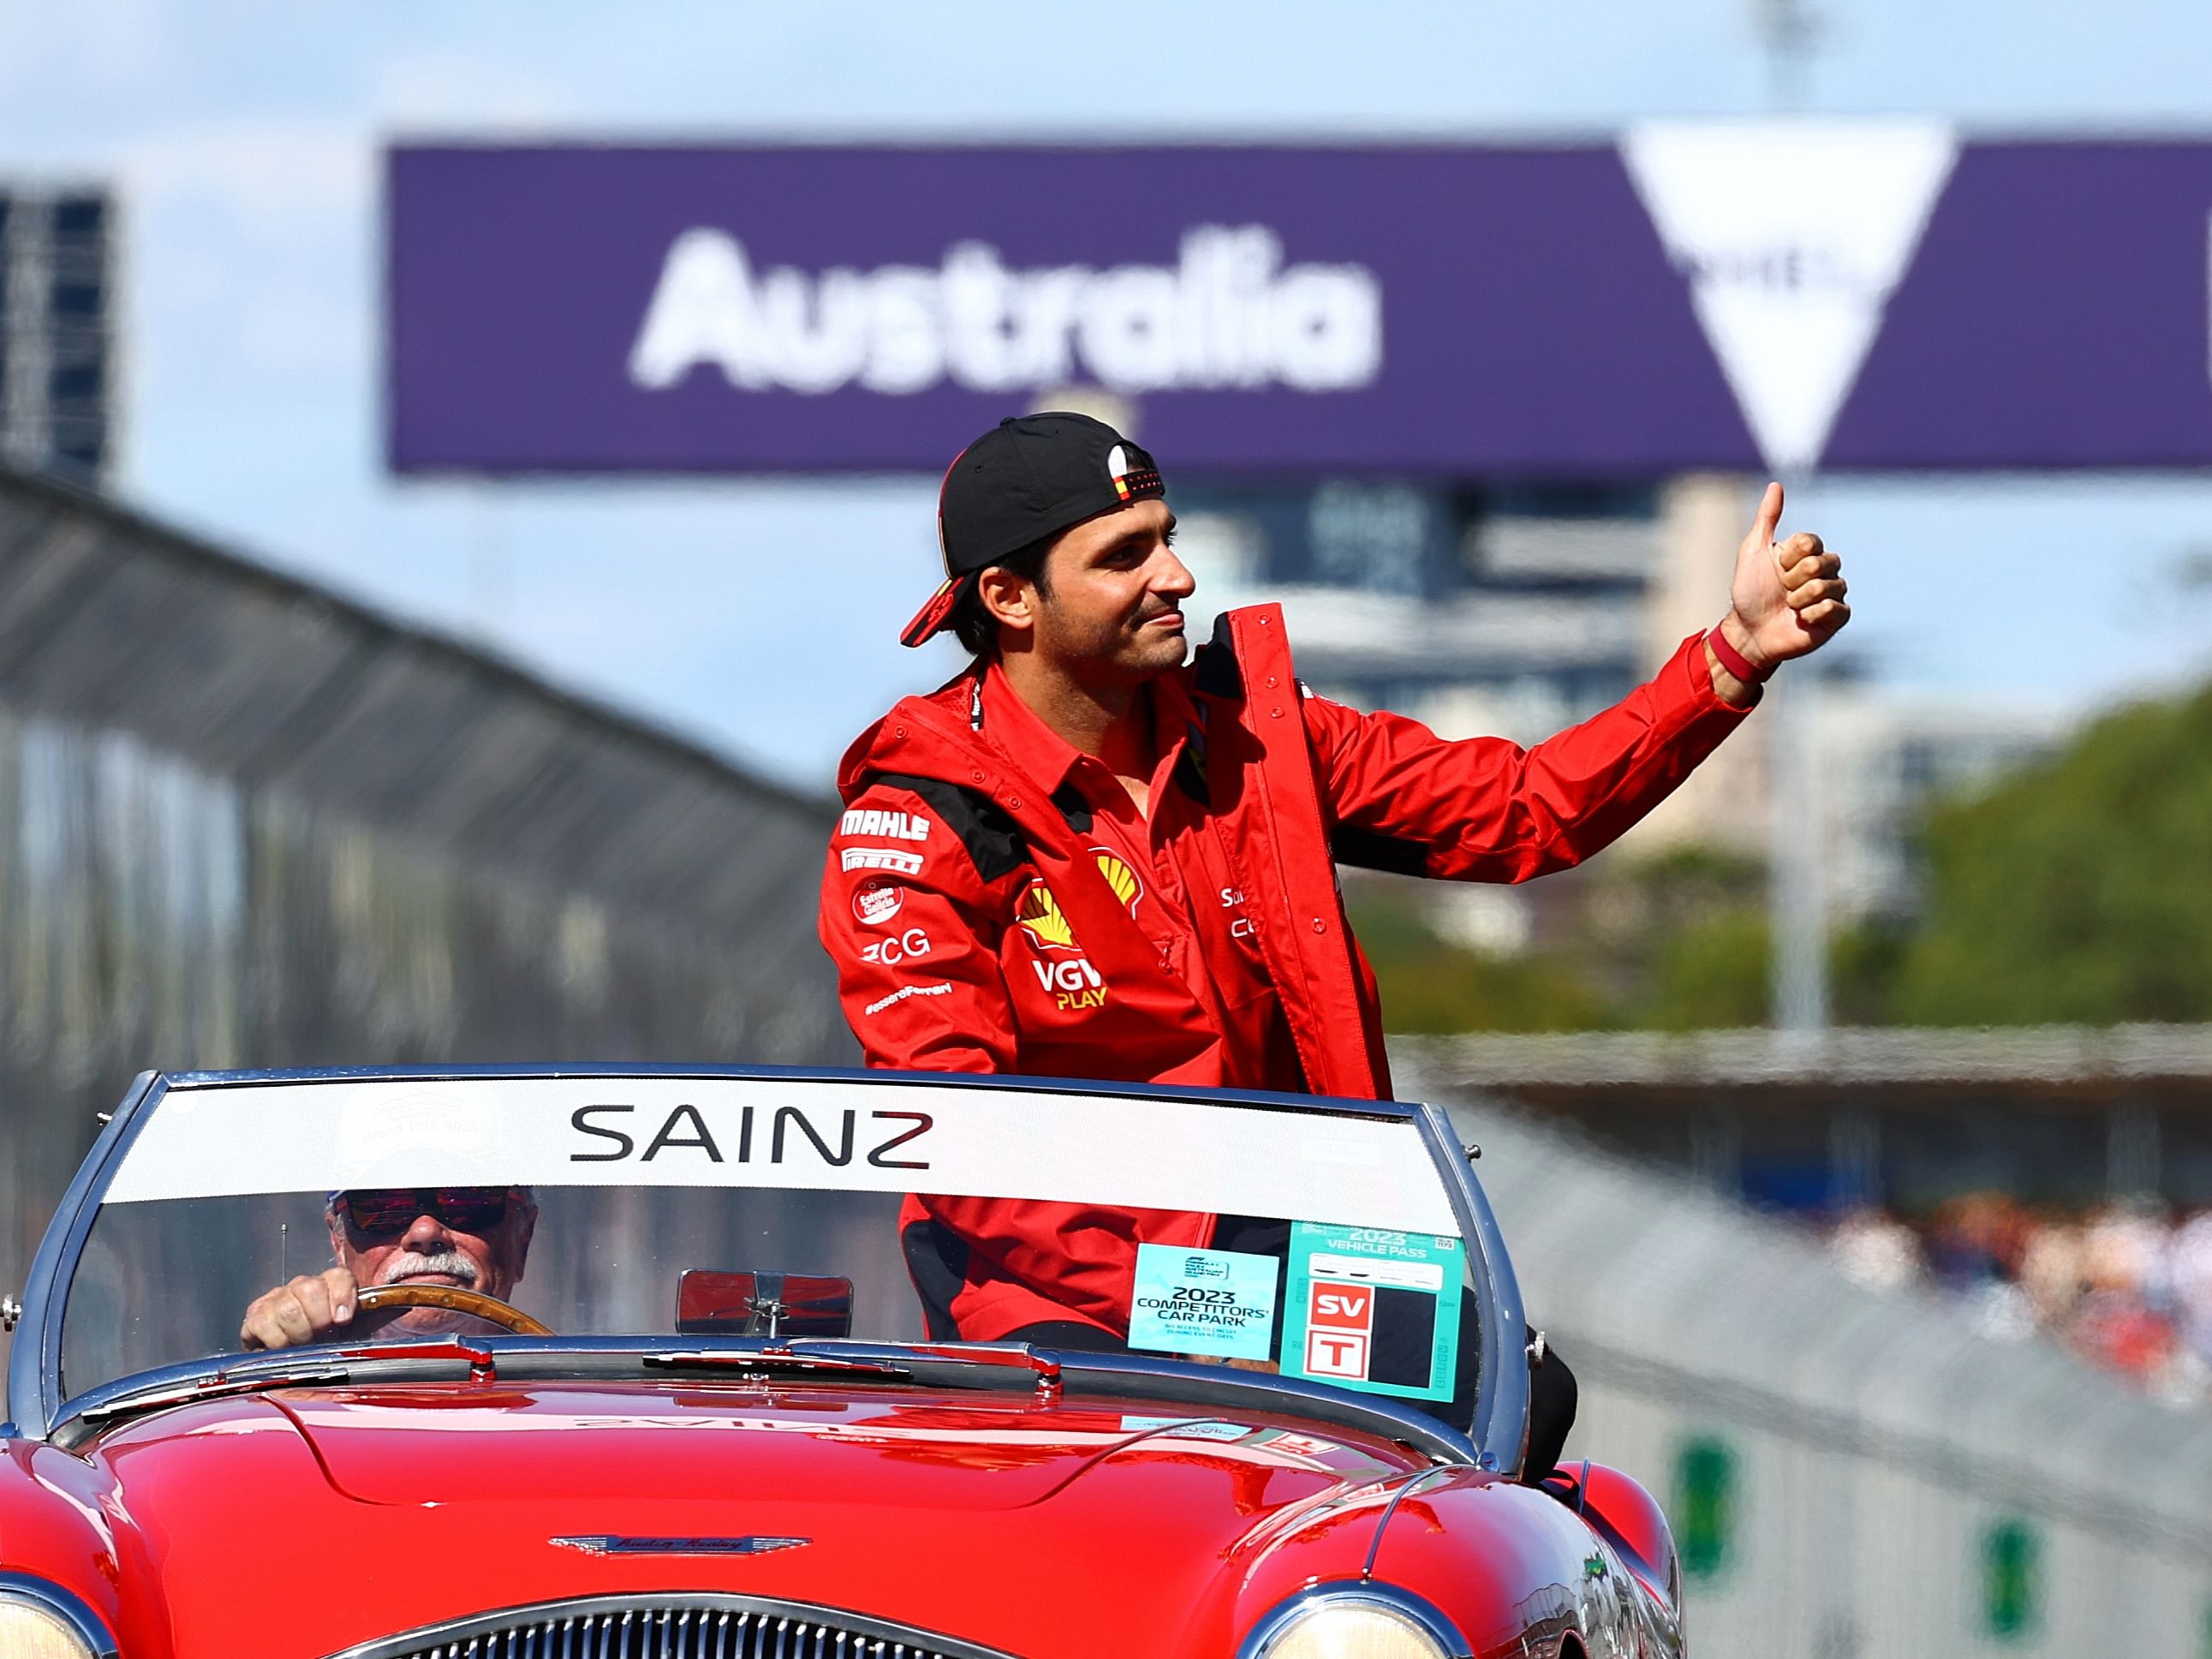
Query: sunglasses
point(391, 1210)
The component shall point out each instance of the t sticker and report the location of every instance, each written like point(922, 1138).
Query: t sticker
point(1194, 1301)
point(1373, 1311)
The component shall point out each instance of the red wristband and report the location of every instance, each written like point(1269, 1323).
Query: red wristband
point(1734, 661)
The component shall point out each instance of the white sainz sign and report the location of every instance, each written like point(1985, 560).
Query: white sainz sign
point(201, 1140)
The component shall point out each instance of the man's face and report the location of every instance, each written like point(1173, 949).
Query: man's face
point(445, 1237)
point(1110, 607)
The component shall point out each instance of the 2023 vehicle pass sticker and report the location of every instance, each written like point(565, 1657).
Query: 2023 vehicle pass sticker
point(1373, 1311)
point(1194, 1301)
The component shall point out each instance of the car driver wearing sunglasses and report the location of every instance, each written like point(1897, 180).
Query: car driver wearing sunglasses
point(475, 1239)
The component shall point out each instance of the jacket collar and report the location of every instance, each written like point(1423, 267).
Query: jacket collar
point(951, 733)
point(1043, 754)
point(1013, 727)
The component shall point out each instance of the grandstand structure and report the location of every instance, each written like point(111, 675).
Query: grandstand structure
point(2062, 1114)
point(245, 822)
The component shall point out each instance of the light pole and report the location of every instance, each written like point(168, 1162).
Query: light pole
point(1797, 906)
point(1791, 31)
point(1797, 910)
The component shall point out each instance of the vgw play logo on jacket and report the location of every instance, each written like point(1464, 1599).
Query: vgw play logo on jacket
point(1070, 979)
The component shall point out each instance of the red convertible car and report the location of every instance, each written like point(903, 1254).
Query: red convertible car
point(630, 1363)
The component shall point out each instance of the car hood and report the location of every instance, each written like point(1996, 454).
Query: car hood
point(368, 1511)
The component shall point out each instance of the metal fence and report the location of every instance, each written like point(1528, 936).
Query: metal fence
point(1850, 1474)
point(242, 823)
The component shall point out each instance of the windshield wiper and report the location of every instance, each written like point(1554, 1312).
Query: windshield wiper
point(773, 1361)
point(483, 1363)
point(891, 1361)
point(888, 1360)
point(1044, 1372)
point(324, 1368)
point(223, 1385)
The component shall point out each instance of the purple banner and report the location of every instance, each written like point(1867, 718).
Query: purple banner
point(1697, 296)
point(2054, 316)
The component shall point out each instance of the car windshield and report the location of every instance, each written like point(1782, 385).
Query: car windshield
point(1327, 1242)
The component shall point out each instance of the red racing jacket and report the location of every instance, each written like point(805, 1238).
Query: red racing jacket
point(975, 929)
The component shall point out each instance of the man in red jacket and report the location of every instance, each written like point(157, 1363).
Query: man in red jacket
point(1087, 857)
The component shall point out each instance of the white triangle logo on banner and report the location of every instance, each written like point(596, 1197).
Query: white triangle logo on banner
point(1792, 235)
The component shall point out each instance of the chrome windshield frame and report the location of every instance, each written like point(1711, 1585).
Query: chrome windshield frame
point(1500, 1429)
point(34, 1360)
point(37, 1405)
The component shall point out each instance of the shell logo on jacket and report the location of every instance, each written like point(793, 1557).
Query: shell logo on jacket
point(1043, 921)
point(1072, 984)
point(1120, 877)
point(1047, 924)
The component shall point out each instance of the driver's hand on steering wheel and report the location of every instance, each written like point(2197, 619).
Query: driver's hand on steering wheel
point(304, 1310)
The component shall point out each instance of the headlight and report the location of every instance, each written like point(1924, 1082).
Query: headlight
point(41, 1620)
point(28, 1632)
point(1353, 1624)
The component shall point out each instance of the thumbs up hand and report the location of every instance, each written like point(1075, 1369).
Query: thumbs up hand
point(1788, 597)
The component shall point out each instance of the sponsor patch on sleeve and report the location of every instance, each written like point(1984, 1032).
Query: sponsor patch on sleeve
point(1196, 1301)
point(942, 989)
point(876, 901)
point(891, 826)
point(908, 947)
point(880, 858)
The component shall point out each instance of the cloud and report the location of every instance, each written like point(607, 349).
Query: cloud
point(250, 252)
point(113, 46)
point(260, 168)
point(456, 89)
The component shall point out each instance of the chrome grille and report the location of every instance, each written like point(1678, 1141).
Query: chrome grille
point(692, 1627)
point(671, 1633)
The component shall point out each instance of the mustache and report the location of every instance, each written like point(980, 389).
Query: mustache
point(1165, 608)
point(408, 1263)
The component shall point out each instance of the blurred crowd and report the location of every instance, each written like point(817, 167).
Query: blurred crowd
point(2127, 1285)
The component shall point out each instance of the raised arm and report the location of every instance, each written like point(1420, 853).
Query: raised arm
point(1484, 808)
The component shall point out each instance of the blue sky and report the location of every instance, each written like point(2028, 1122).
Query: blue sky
point(761, 615)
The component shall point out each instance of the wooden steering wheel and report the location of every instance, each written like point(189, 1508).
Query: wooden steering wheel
point(377, 1298)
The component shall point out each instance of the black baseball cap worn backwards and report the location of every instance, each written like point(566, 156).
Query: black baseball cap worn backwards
point(1029, 477)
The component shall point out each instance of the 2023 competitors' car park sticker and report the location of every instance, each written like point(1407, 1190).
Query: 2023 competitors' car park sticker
point(1373, 1310)
point(1194, 1301)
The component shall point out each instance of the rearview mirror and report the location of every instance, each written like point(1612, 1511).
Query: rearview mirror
point(710, 1304)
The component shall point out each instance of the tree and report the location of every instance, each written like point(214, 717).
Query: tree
point(1673, 941)
point(1430, 986)
point(2078, 890)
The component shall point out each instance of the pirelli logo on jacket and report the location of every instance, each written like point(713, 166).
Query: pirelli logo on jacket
point(880, 858)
